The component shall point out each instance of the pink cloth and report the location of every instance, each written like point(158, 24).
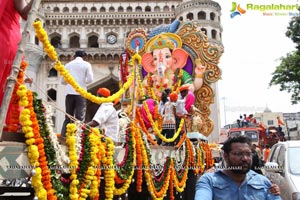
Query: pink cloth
point(10, 36)
point(189, 101)
point(151, 106)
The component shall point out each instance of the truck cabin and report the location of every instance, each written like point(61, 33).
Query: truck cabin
point(250, 131)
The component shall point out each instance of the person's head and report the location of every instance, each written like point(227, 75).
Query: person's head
point(267, 146)
point(80, 53)
point(173, 97)
point(254, 146)
point(238, 154)
point(164, 95)
point(103, 92)
point(184, 89)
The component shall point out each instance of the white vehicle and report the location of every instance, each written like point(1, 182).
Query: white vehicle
point(283, 168)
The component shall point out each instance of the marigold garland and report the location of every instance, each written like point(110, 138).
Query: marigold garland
point(33, 152)
point(109, 172)
point(125, 185)
point(140, 121)
point(50, 50)
point(151, 187)
point(179, 180)
point(13, 121)
point(70, 141)
point(171, 188)
point(139, 160)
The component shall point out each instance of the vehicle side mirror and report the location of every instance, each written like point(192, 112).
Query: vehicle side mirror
point(274, 167)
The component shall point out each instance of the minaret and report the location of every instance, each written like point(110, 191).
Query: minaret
point(207, 15)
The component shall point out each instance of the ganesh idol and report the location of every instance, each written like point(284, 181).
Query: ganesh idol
point(165, 61)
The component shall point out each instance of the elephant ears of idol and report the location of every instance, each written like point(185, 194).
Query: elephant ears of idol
point(147, 63)
point(180, 56)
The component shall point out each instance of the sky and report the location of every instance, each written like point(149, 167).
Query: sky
point(253, 45)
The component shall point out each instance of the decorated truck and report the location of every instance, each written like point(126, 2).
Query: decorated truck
point(259, 134)
point(149, 164)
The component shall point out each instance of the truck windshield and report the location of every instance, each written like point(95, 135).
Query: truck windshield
point(253, 135)
point(235, 133)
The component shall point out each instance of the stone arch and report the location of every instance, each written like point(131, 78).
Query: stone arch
point(47, 22)
point(213, 34)
point(75, 10)
point(93, 9)
point(138, 9)
point(56, 9)
point(166, 8)
point(74, 41)
point(129, 9)
point(55, 40)
point(90, 57)
point(52, 94)
point(102, 9)
point(84, 9)
point(156, 9)
point(96, 56)
point(147, 9)
point(52, 73)
point(36, 40)
point(109, 57)
point(111, 9)
point(120, 9)
point(103, 57)
point(116, 57)
point(93, 40)
point(190, 16)
point(60, 22)
point(201, 15)
point(65, 10)
point(173, 8)
point(212, 16)
point(105, 22)
point(86, 22)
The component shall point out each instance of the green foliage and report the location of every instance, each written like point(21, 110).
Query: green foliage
point(287, 74)
point(293, 31)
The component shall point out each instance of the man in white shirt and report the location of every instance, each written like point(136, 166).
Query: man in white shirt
point(82, 72)
point(106, 117)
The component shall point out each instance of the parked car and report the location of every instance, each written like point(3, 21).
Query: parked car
point(283, 168)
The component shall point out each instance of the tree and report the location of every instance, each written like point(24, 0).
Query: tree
point(287, 74)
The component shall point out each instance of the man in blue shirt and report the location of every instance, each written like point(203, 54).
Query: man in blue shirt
point(236, 181)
